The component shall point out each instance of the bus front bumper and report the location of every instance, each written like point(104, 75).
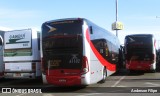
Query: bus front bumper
point(140, 66)
point(20, 75)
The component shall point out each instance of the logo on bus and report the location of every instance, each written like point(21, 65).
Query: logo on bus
point(51, 29)
point(13, 39)
point(74, 59)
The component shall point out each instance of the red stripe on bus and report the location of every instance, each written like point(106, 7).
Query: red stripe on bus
point(138, 65)
point(63, 72)
point(109, 66)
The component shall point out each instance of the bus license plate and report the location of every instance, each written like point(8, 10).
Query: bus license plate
point(139, 67)
point(62, 80)
point(17, 75)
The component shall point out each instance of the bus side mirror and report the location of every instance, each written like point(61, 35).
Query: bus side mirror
point(1, 41)
point(90, 29)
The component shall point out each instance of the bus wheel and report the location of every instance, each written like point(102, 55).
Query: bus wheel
point(104, 76)
point(153, 71)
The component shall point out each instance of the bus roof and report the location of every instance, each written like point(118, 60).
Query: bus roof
point(140, 35)
point(56, 20)
point(109, 34)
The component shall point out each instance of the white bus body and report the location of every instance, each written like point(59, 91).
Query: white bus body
point(22, 54)
point(1, 54)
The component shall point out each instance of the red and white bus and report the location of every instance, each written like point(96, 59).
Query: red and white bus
point(140, 52)
point(77, 52)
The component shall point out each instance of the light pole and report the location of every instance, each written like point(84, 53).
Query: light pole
point(117, 25)
point(116, 15)
point(158, 41)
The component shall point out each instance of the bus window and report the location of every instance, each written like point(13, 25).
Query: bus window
point(1, 40)
point(107, 53)
point(62, 45)
point(91, 30)
point(38, 38)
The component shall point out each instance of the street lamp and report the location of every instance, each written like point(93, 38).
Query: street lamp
point(117, 25)
point(158, 41)
point(116, 15)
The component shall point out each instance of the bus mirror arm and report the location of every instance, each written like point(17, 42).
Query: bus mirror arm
point(90, 29)
point(1, 41)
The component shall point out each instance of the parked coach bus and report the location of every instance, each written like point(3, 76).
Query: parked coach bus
point(140, 52)
point(22, 54)
point(1, 54)
point(77, 52)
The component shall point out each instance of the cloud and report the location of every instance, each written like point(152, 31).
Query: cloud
point(4, 28)
point(13, 19)
point(17, 14)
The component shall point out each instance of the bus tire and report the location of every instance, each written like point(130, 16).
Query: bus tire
point(104, 75)
point(44, 80)
point(153, 71)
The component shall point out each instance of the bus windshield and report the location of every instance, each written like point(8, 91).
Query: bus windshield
point(139, 40)
point(139, 47)
point(62, 44)
point(140, 54)
point(68, 27)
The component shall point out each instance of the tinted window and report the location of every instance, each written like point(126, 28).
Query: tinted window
point(67, 27)
point(145, 40)
point(139, 47)
point(62, 44)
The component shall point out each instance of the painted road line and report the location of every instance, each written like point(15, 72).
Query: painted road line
point(116, 83)
point(90, 94)
point(121, 86)
point(153, 84)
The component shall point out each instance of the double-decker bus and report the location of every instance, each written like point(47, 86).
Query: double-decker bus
point(22, 54)
point(77, 52)
point(140, 52)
